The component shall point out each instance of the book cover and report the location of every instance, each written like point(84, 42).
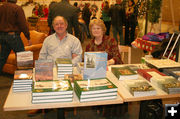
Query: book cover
point(167, 83)
point(123, 73)
point(73, 77)
point(94, 86)
point(54, 87)
point(63, 62)
point(139, 88)
point(175, 72)
point(25, 75)
point(24, 60)
point(162, 63)
point(95, 64)
point(43, 70)
point(149, 73)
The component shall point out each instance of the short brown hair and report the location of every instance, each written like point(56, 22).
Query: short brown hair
point(66, 22)
point(98, 22)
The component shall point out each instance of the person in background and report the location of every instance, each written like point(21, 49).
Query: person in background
point(12, 23)
point(45, 11)
point(35, 10)
point(131, 22)
point(101, 42)
point(105, 17)
point(117, 14)
point(69, 12)
point(86, 14)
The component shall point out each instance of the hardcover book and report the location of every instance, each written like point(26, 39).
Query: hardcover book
point(167, 83)
point(43, 70)
point(95, 64)
point(49, 88)
point(149, 73)
point(65, 62)
point(175, 72)
point(94, 86)
point(23, 76)
point(24, 60)
point(139, 88)
point(124, 73)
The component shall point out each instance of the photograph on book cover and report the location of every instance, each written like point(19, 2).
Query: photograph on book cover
point(90, 60)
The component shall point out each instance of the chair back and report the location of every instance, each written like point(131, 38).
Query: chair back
point(123, 50)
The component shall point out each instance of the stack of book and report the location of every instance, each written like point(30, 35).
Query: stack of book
point(167, 83)
point(52, 91)
point(43, 70)
point(139, 88)
point(24, 60)
point(95, 90)
point(95, 65)
point(124, 73)
point(64, 66)
point(22, 80)
point(80, 67)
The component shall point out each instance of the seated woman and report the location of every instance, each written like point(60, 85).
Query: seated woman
point(101, 42)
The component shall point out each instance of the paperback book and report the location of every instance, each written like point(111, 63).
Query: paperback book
point(43, 70)
point(167, 83)
point(24, 60)
point(124, 73)
point(149, 73)
point(175, 72)
point(95, 65)
point(139, 88)
point(65, 62)
point(73, 77)
point(23, 76)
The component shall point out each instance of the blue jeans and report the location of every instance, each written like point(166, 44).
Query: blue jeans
point(118, 30)
point(9, 42)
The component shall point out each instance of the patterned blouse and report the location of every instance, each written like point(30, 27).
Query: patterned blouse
point(109, 45)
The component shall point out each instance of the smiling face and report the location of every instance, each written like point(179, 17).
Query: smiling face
point(60, 25)
point(97, 30)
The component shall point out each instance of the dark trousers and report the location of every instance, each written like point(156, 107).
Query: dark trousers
point(60, 113)
point(129, 32)
point(9, 42)
point(108, 25)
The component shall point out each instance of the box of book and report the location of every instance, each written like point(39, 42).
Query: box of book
point(175, 72)
point(95, 65)
point(22, 80)
point(124, 73)
point(161, 63)
point(52, 91)
point(24, 60)
point(149, 73)
point(95, 90)
point(167, 83)
point(64, 66)
point(43, 70)
point(139, 88)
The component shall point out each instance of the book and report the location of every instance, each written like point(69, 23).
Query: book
point(24, 60)
point(149, 73)
point(94, 86)
point(98, 98)
point(124, 73)
point(95, 64)
point(139, 88)
point(58, 100)
point(80, 67)
point(65, 62)
point(161, 63)
point(23, 76)
point(49, 88)
point(43, 70)
point(73, 77)
point(175, 72)
point(167, 83)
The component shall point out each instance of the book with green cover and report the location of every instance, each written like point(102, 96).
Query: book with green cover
point(63, 62)
point(139, 88)
point(123, 73)
point(55, 87)
point(94, 86)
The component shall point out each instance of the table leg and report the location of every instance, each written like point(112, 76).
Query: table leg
point(60, 113)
